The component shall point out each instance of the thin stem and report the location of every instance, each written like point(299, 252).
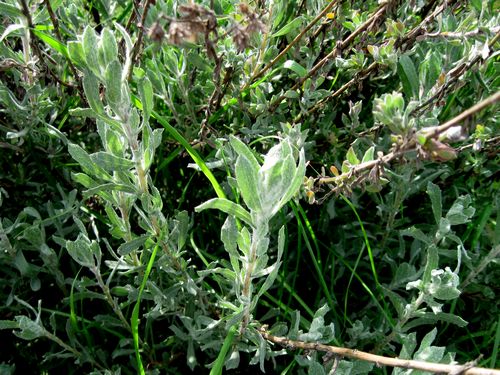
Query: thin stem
point(138, 43)
point(466, 369)
point(336, 51)
point(288, 47)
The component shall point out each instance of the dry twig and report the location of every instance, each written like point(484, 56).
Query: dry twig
point(466, 369)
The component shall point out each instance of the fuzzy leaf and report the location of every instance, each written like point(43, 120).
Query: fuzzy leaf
point(437, 205)
point(90, 50)
point(225, 205)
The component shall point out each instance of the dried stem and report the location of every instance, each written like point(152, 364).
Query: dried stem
point(406, 41)
point(454, 76)
point(336, 51)
point(411, 145)
point(138, 42)
point(466, 369)
point(288, 47)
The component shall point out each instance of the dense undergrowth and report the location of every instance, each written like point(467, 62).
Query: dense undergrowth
point(210, 186)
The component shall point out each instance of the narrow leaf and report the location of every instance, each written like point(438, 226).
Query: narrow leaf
point(435, 196)
point(408, 75)
point(225, 205)
point(296, 67)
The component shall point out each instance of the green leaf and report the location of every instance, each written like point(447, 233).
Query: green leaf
point(351, 157)
point(8, 324)
point(246, 178)
point(113, 76)
point(296, 67)
point(132, 245)
point(225, 205)
point(80, 250)
point(111, 163)
point(30, 329)
point(369, 155)
point(11, 29)
point(146, 95)
point(76, 54)
point(431, 264)
point(81, 156)
point(289, 27)
point(242, 149)
point(10, 10)
point(437, 205)
point(408, 75)
point(52, 42)
point(109, 47)
point(91, 88)
point(90, 43)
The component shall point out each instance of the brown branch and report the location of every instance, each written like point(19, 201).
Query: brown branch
point(55, 23)
point(138, 42)
point(406, 40)
point(465, 114)
point(289, 46)
point(412, 144)
point(454, 76)
point(336, 51)
point(466, 369)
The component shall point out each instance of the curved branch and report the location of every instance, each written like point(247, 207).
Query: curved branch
point(466, 369)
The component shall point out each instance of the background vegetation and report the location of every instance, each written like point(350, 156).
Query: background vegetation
point(181, 184)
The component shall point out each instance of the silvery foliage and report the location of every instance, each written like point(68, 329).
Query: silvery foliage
point(265, 189)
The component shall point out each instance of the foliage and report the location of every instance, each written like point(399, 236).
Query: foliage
point(165, 198)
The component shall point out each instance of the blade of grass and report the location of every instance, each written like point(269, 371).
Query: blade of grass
point(190, 150)
point(134, 320)
point(221, 358)
point(368, 247)
point(496, 345)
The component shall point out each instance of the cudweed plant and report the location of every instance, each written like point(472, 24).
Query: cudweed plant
point(395, 97)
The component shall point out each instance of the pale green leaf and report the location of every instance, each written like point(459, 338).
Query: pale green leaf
point(289, 27)
point(408, 75)
point(109, 47)
point(435, 196)
point(91, 88)
point(90, 50)
point(225, 205)
point(295, 67)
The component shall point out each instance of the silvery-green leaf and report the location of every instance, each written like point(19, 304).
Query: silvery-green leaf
point(111, 163)
point(90, 50)
point(132, 245)
point(86, 162)
point(80, 250)
point(229, 237)
point(296, 182)
point(431, 264)
point(444, 284)
point(225, 205)
point(109, 187)
point(351, 157)
point(460, 212)
point(91, 88)
point(76, 54)
point(437, 205)
point(369, 154)
point(146, 95)
point(109, 46)
point(150, 141)
point(246, 178)
point(262, 245)
point(30, 329)
point(244, 240)
point(128, 49)
point(83, 112)
point(242, 149)
point(113, 76)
